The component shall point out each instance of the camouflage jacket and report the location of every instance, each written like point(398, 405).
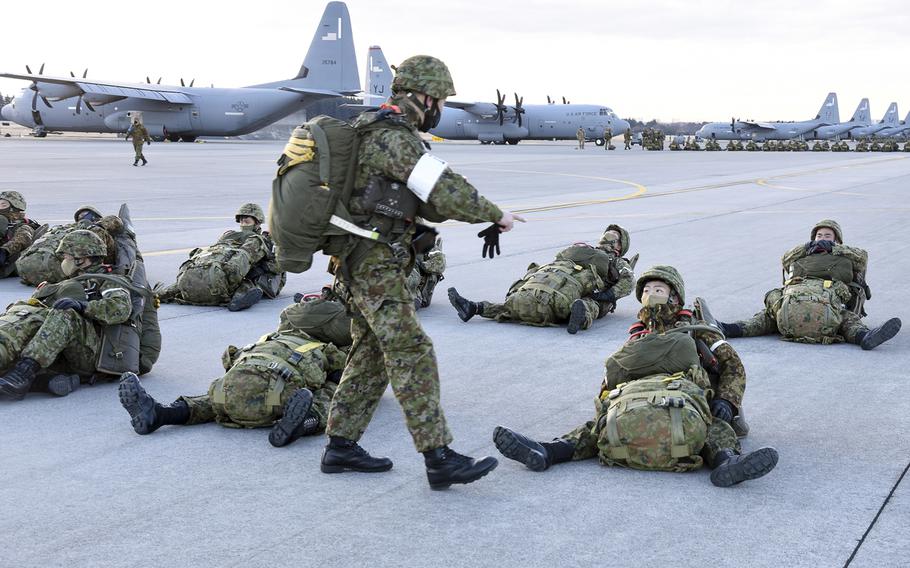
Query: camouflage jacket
point(19, 233)
point(109, 301)
point(615, 271)
point(257, 245)
point(139, 134)
point(392, 149)
point(728, 376)
point(311, 367)
point(857, 256)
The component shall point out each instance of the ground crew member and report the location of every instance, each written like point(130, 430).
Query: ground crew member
point(608, 136)
point(140, 136)
point(389, 344)
point(627, 139)
point(580, 135)
point(722, 384)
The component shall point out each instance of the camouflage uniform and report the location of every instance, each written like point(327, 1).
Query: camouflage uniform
point(389, 344)
point(140, 136)
point(580, 136)
point(765, 321)
point(19, 232)
point(608, 135)
point(427, 273)
point(627, 139)
point(534, 301)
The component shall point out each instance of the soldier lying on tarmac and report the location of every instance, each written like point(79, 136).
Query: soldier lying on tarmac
point(69, 327)
point(583, 284)
point(284, 381)
point(236, 271)
point(822, 298)
point(17, 232)
point(659, 408)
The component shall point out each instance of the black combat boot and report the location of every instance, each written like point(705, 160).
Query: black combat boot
point(576, 316)
point(342, 454)
point(18, 381)
point(739, 424)
point(872, 338)
point(62, 385)
point(245, 300)
point(731, 330)
point(466, 309)
point(445, 466)
point(537, 456)
point(147, 415)
point(731, 468)
point(136, 162)
point(296, 421)
point(144, 161)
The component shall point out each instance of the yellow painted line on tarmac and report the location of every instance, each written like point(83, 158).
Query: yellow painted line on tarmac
point(167, 252)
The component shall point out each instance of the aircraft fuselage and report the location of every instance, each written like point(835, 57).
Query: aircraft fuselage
point(539, 122)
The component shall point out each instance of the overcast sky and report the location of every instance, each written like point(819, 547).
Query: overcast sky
point(674, 59)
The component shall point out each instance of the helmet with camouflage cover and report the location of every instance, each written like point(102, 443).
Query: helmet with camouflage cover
point(423, 74)
point(86, 208)
point(624, 239)
point(250, 210)
point(829, 224)
point(15, 199)
point(82, 244)
point(663, 273)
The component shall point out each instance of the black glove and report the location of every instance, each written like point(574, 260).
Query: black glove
point(70, 304)
point(604, 296)
point(722, 410)
point(490, 237)
point(255, 273)
point(815, 247)
point(424, 239)
point(4, 256)
point(148, 142)
point(297, 297)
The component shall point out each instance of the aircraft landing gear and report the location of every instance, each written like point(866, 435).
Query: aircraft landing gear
point(599, 142)
point(485, 142)
point(512, 141)
point(188, 138)
point(39, 132)
point(173, 137)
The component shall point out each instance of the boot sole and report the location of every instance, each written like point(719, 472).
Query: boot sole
point(246, 301)
point(9, 391)
point(62, 385)
point(343, 468)
point(482, 473)
point(888, 330)
point(295, 412)
point(576, 317)
point(752, 466)
point(454, 297)
point(131, 394)
point(509, 446)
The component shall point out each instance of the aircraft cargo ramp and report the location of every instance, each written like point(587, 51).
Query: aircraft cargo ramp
point(80, 488)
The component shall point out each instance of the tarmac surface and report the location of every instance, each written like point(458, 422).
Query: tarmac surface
point(80, 488)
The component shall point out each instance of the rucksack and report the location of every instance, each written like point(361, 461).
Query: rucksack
point(652, 354)
point(324, 320)
point(39, 263)
point(212, 274)
point(308, 211)
point(810, 310)
point(546, 293)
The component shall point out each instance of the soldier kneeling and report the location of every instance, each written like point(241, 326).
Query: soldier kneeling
point(284, 381)
point(659, 408)
point(236, 271)
point(427, 273)
point(583, 284)
point(73, 326)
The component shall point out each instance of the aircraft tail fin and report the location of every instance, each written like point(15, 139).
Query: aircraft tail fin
point(378, 78)
point(829, 112)
point(891, 117)
point(330, 63)
point(861, 114)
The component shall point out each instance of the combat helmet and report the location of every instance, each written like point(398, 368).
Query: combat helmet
point(15, 199)
point(82, 244)
point(829, 224)
point(250, 210)
point(423, 74)
point(666, 274)
point(85, 208)
point(624, 238)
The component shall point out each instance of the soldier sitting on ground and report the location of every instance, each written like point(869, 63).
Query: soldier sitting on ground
point(659, 407)
point(17, 232)
point(237, 271)
point(427, 273)
point(84, 328)
point(583, 284)
point(284, 381)
point(822, 298)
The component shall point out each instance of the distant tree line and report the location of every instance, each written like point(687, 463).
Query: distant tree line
point(5, 100)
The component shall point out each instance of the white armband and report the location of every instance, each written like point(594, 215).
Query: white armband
point(425, 174)
point(717, 344)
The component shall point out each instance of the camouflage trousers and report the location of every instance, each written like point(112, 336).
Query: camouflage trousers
point(389, 347)
point(581, 144)
point(66, 333)
point(765, 321)
point(251, 405)
point(542, 313)
point(720, 437)
point(137, 147)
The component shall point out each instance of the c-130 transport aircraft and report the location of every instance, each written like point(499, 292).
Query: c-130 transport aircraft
point(74, 104)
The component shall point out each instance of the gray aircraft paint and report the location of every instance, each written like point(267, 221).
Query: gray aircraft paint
point(861, 117)
point(377, 78)
point(478, 121)
point(329, 70)
point(890, 120)
point(892, 131)
point(827, 115)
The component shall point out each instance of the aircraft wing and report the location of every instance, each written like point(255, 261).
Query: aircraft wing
point(316, 92)
point(110, 88)
point(759, 125)
point(480, 109)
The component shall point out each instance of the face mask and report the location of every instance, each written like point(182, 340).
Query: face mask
point(88, 216)
point(68, 266)
point(650, 300)
point(431, 114)
point(247, 228)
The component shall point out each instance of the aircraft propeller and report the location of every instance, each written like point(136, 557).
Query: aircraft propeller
point(519, 110)
point(549, 100)
point(36, 115)
point(80, 101)
point(149, 81)
point(191, 82)
point(565, 102)
point(501, 108)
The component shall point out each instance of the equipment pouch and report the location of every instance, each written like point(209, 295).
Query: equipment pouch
point(390, 199)
point(119, 350)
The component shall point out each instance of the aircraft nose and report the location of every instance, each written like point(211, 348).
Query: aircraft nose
point(7, 113)
point(621, 125)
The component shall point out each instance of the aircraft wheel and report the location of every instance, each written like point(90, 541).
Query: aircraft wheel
point(173, 137)
point(188, 138)
point(599, 142)
point(485, 142)
point(512, 141)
